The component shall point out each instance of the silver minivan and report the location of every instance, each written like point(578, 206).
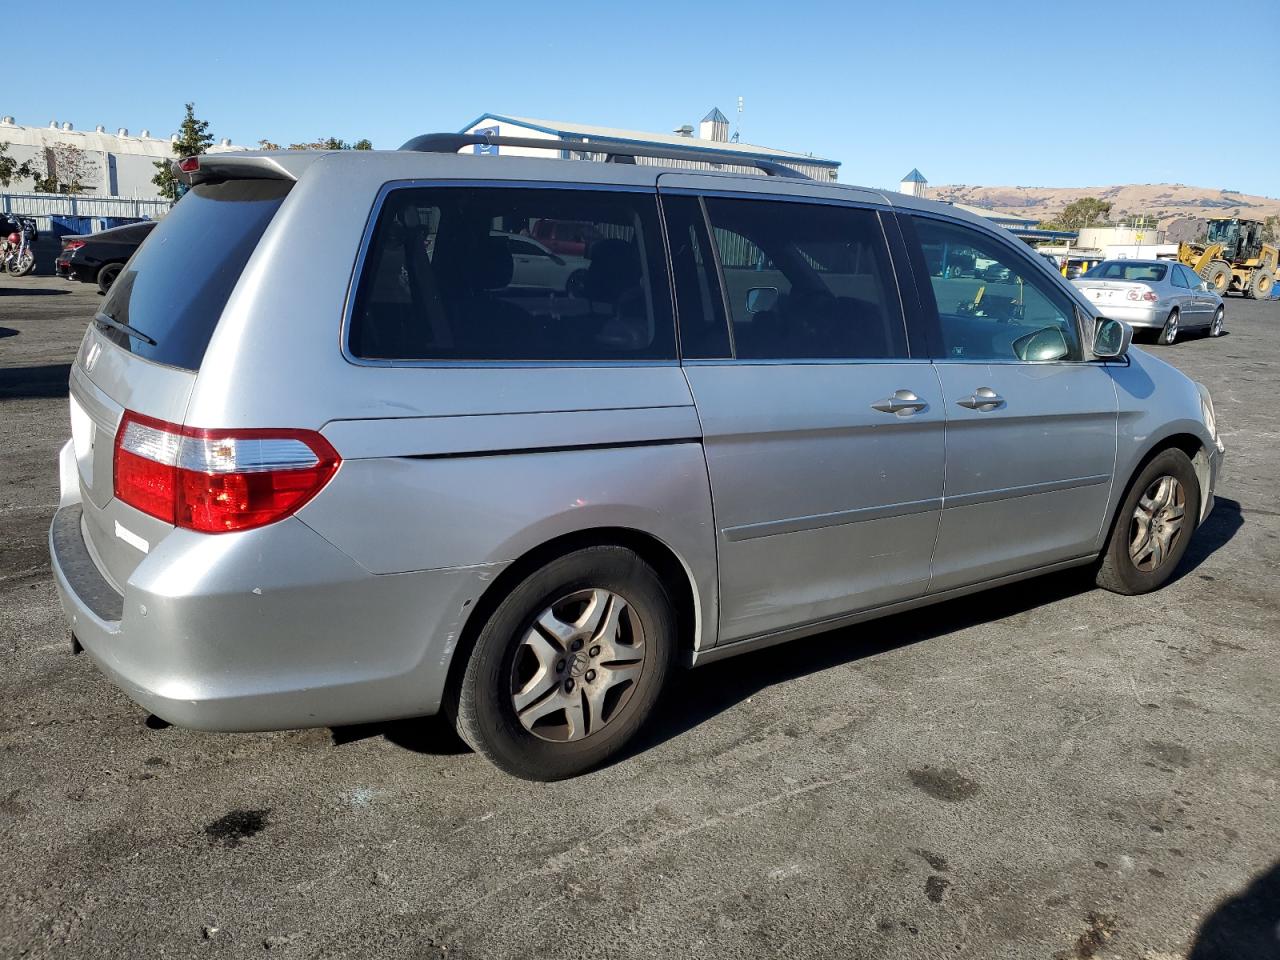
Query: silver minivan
point(336, 457)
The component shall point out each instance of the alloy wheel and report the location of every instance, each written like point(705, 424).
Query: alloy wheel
point(1157, 523)
point(577, 665)
point(1171, 328)
point(1216, 329)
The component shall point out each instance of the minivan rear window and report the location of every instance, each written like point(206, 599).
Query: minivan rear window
point(514, 274)
point(174, 289)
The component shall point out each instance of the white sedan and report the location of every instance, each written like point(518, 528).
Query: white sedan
point(1154, 295)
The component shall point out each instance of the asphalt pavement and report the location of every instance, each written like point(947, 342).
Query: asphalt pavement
point(1042, 771)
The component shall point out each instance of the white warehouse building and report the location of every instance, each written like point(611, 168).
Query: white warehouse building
point(116, 164)
point(712, 135)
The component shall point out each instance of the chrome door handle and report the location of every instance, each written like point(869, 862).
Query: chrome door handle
point(984, 398)
point(903, 402)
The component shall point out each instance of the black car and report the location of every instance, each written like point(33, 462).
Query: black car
point(99, 257)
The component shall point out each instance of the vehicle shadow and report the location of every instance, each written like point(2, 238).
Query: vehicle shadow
point(32, 291)
point(1243, 927)
point(49, 380)
point(1218, 528)
point(429, 735)
point(7, 332)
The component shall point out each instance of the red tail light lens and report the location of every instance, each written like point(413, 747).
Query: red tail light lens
point(189, 164)
point(216, 481)
point(69, 245)
point(1147, 294)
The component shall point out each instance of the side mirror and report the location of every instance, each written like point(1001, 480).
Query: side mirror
point(1111, 339)
point(761, 299)
point(1203, 286)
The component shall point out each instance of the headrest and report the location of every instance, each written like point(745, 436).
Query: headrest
point(493, 266)
point(615, 268)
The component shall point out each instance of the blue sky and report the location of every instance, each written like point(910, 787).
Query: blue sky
point(1031, 93)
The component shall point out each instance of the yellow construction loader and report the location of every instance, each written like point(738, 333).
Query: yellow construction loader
point(1233, 258)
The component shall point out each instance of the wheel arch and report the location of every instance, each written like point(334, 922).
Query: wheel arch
point(1197, 452)
point(674, 572)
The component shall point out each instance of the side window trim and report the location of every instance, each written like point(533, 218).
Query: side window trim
point(1083, 336)
point(718, 279)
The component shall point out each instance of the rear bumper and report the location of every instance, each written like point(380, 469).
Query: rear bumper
point(1147, 315)
point(270, 629)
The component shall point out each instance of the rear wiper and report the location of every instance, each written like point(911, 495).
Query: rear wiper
point(124, 328)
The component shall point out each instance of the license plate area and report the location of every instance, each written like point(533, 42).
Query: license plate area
point(84, 437)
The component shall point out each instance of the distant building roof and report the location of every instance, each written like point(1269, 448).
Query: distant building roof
point(715, 116)
point(569, 129)
point(915, 176)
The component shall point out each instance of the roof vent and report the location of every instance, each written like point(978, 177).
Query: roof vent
point(99, 129)
point(122, 132)
point(53, 124)
point(7, 120)
point(173, 138)
point(66, 125)
point(685, 130)
point(226, 141)
point(145, 134)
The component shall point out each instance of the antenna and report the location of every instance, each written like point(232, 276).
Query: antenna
point(737, 130)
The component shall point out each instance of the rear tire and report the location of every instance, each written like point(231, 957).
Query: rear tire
point(569, 666)
point(107, 276)
point(1260, 285)
point(1170, 331)
point(1153, 527)
point(1218, 274)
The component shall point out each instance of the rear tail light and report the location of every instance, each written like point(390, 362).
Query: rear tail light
point(1146, 293)
point(215, 481)
point(189, 164)
point(69, 245)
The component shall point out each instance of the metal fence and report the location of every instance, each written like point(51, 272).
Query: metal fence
point(44, 206)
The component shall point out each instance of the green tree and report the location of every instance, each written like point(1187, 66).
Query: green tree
point(11, 169)
point(68, 168)
point(324, 143)
point(194, 139)
point(1085, 212)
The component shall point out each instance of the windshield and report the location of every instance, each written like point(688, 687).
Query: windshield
point(174, 288)
point(1122, 270)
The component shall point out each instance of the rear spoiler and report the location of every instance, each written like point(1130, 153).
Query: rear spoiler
point(209, 168)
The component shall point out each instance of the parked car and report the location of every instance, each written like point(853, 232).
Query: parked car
point(296, 495)
point(99, 257)
point(538, 268)
point(1154, 295)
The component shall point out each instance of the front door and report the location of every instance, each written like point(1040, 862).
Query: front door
point(823, 436)
point(1031, 423)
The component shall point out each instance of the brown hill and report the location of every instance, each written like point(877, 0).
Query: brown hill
point(1163, 201)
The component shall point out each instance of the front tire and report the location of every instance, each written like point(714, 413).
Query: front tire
point(1260, 285)
point(1218, 318)
point(1153, 526)
point(569, 665)
point(1218, 274)
point(1170, 331)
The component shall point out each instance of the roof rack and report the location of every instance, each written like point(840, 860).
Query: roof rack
point(615, 151)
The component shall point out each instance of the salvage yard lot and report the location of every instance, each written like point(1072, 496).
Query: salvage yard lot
point(1046, 770)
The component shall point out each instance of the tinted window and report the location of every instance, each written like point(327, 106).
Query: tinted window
point(700, 308)
point(806, 281)
point(1193, 281)
point(992, 303)
point(1122, 270)
point(468, 273)
point(1179, 277)
point(178, 283)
